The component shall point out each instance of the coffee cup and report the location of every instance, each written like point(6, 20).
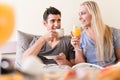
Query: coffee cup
point(60, 32)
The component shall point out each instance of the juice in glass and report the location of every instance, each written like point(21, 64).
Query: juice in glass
point(76, 31)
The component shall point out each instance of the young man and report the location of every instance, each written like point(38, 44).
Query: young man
point(50, 43)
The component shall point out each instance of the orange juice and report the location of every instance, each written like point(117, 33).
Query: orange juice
point(6, 22)
point(76, 31)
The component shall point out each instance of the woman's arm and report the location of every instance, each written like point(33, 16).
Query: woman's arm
point(79, 57)
point(75, 41)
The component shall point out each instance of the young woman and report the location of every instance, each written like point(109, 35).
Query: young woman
point(98, 44)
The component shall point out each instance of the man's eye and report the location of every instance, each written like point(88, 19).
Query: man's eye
point(59, 20)
point(53, 21)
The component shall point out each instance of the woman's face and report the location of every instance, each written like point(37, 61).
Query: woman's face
point(84, 17)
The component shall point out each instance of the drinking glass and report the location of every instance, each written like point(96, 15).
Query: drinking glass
point(76, 31)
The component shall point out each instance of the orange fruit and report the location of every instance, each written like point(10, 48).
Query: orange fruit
point(6, 22)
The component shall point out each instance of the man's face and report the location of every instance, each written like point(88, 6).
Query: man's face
point(53, 22)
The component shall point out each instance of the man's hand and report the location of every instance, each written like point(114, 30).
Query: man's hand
point(61, 59)
point(50, 35)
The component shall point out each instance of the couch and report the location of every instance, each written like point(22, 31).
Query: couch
point(24, 39)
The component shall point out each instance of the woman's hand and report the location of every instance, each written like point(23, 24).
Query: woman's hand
point(75, 41)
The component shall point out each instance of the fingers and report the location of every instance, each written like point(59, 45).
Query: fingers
point(60, 56)
point(75, 41)
point(71, 34)
point(61, 59)
point(50, 35)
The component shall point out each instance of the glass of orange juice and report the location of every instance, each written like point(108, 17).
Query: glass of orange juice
point(76, 31)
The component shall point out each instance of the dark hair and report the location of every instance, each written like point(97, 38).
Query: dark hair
point(50, 10)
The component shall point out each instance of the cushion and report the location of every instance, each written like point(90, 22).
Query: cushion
point(24, 39)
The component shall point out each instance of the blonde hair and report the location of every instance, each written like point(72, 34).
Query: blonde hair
point(103, 33)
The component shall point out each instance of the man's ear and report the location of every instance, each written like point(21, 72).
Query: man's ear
point(44, 22)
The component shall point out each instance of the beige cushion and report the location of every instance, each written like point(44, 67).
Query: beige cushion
point(24, 39)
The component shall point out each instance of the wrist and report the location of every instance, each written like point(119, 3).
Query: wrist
point(77, 49)
point(43, 39)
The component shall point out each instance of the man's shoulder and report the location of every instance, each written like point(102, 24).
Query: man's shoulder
point(66, 37)
point(115, 32)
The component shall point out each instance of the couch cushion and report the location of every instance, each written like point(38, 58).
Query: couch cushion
point(24, 39)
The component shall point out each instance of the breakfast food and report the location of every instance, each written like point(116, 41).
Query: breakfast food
point(70, 75)
point(109, 73)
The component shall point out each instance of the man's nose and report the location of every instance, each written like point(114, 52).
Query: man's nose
point(56, 24)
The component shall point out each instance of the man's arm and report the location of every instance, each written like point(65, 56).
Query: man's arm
point(34, 49)
point(117, 52)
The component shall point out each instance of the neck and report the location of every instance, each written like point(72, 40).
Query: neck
point(54, 40)
point(90, 32)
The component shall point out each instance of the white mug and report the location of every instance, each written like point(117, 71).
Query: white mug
point(60, 32)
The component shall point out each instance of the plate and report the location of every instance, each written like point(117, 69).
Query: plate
point(87, 66)
point(50, 57)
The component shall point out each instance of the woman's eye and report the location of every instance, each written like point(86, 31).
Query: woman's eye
point(83, 13)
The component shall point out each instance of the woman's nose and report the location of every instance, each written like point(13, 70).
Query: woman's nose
point(80, 17)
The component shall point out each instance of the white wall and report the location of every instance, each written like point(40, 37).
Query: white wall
point(29, 13)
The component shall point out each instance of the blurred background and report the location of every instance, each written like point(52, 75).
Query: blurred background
point(28, 14)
